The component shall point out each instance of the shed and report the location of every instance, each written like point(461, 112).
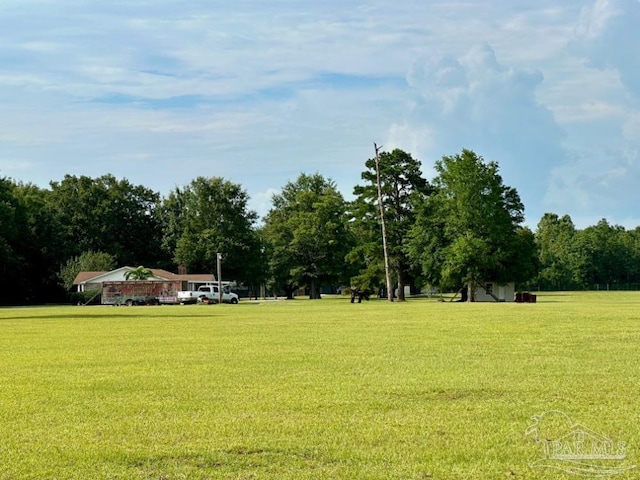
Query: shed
point(489, 291)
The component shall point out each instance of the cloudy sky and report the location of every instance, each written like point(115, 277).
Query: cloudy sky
point(258, 91)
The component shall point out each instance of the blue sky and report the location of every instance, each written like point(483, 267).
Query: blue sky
point(257, 92)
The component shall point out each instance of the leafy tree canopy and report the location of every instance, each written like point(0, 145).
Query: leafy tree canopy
point(107, 215)
point(469, 231)
point(207, 217)
point(402, 187)
point(308, 234)
point(89, 261)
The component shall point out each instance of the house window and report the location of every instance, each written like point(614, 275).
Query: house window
point(489, 288)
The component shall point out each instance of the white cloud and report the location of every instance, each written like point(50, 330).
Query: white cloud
point(600, 181)
point(608, 36)
point(591, 110)
point(475, 102)
point(595, 18)
point(260, 91)
point(410, 139)
point(12, 167)
point(599, 112)
point(261, 201)
point(631, 129)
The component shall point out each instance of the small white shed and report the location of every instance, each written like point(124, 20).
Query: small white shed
point(489, 291)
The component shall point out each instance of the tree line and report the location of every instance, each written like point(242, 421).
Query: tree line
point(461, 228)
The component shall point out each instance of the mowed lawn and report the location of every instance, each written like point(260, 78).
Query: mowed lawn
point(313, 389)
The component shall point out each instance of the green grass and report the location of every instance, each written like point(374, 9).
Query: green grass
point(312, 389)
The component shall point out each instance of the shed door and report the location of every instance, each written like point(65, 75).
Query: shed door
point(502, 293)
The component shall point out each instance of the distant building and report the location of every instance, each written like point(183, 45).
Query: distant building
point(92, 281)
point(495, 292)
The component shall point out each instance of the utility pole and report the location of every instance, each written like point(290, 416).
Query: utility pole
point(218, 264)
point(383, 223)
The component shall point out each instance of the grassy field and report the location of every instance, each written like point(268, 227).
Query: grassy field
point(314, 389)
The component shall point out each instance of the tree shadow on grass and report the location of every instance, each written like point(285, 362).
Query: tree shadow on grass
point(105, 316)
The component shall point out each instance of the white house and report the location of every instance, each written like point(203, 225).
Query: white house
point(92, 281)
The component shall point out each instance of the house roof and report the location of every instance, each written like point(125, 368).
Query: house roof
point(82, 277)
point(158, 272)
point(196, 277)
point(95, 277)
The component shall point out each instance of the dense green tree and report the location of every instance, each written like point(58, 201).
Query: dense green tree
point(365, 261)
point(469, 231)
point(29, 245)
point(308, 236)
point(13, 271)
point(85, 262)
point(207, 217)
point(631, 241)
point(560, 262)
point(605, 260)
point(402, 187)
point(599, 256)
point(108, 215)
point(42, 243)
point(257, 264)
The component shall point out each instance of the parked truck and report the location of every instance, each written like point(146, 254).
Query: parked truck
point(207, 294)
point(140, 292)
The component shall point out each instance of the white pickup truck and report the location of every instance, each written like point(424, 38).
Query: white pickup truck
point(207, 294)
